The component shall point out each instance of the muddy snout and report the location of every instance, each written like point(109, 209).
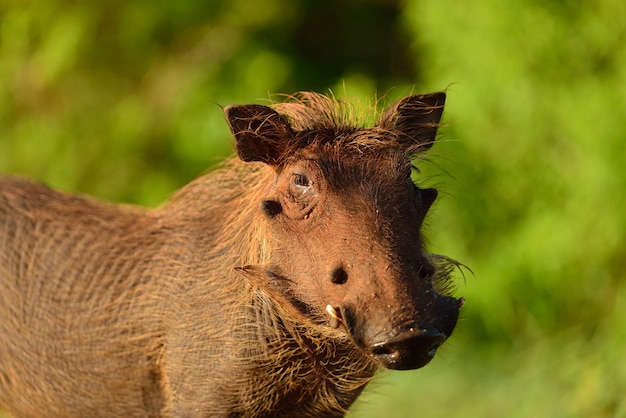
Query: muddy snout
point(403, 344)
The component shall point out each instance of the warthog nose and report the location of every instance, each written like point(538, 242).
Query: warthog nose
point(408, 350)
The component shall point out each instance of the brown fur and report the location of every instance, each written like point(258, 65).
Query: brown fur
point(213, 304)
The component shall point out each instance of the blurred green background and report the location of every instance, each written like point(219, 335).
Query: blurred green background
point(120, 100)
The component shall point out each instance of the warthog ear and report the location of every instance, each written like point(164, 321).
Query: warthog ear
point(260, 132)
point(416, 119)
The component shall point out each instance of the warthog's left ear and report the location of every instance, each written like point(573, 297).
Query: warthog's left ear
point(416, 119)
point(260, 132)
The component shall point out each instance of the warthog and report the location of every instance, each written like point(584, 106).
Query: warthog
point(275, 285)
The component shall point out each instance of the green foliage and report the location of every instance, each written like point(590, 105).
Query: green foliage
point(121, 100)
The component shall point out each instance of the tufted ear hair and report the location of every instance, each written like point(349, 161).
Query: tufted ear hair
point(261, 134)
point(415, 119)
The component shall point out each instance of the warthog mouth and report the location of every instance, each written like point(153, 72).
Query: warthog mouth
point(407, 347)
point(408, 350)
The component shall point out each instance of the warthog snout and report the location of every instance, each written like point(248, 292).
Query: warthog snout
point(411, 344)
point(410, 349)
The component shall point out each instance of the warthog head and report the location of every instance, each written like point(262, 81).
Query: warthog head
point(344, 218)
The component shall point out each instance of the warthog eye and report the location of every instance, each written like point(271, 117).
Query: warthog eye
point(301, 181)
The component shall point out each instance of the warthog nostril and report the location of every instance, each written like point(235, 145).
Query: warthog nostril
point(408, 350)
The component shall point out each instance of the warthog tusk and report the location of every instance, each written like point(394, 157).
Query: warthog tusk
point(333, 312)
point(335, 317)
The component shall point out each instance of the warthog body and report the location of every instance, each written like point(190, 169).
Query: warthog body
point(273, 286)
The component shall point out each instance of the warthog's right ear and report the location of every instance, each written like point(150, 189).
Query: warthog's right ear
point(416, 119)
point(261, 134)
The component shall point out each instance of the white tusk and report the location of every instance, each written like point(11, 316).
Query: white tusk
point(333, 312)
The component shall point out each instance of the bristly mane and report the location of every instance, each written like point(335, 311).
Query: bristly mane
point(309, 110)
point(332, 122)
